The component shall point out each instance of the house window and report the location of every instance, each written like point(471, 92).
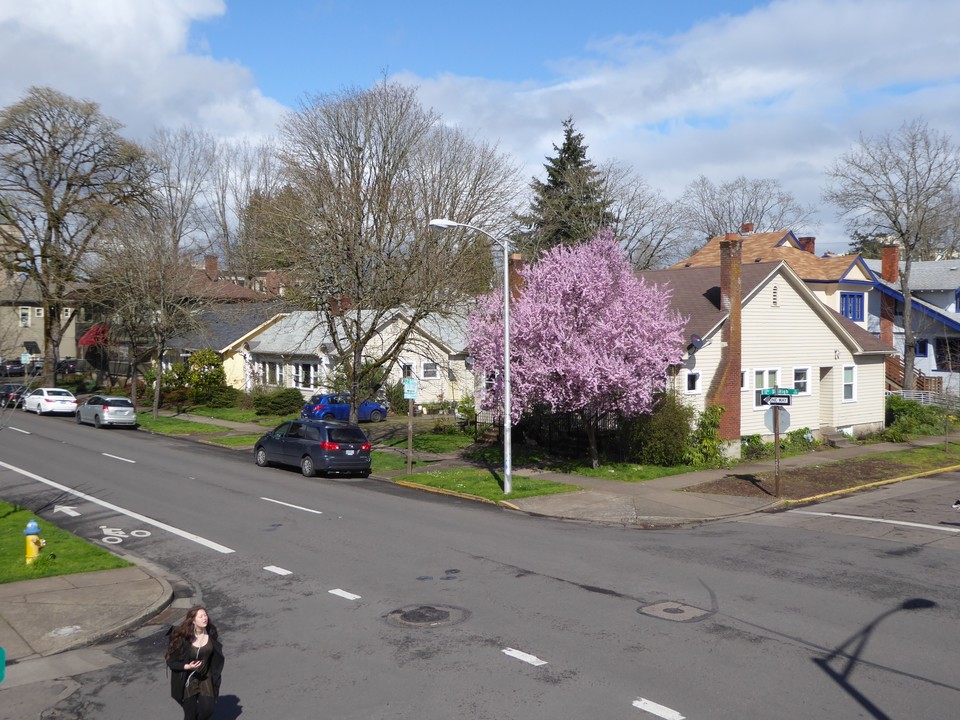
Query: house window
point(851, 306)
point(693, 381)
point(764, 379)
point(801, 380)
point(849, 383)
point(24, 317)
point(946, 353)
point(407, 370)
point(306, 375)
point(922, 348)
point(67, 312)
point(271, 373)
point(489, 381)
point(431, 371)
point(744, 381)
point(38, 312)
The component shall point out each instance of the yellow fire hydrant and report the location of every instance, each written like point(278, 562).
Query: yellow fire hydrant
point(34, 542)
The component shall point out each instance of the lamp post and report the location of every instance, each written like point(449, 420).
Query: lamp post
point(445, 224)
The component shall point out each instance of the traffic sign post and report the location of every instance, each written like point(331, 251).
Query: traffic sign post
point(410, 387)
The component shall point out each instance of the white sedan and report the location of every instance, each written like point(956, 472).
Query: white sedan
point(50, 400)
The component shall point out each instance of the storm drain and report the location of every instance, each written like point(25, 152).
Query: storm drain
point(677, 612)
point(427, 616)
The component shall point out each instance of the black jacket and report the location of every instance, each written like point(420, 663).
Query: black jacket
point(181, 656)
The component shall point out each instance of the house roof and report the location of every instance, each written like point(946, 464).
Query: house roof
point(201, 286)
point(695, 294)
point(220, 325)
point(781, 245)
point(928, 274)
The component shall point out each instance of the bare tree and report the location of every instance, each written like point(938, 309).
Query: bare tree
point(370, 169)
point(904, 185)
point(64, 171)
point(706, 210)
point(644, 221)
point(245, 186)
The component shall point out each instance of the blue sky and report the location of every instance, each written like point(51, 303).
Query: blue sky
point(672, 91)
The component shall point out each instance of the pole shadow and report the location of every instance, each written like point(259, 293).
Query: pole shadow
point(849, 652)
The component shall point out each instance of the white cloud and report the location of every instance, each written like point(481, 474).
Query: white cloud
point(133, 59)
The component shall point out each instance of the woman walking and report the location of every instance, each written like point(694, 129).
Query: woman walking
point(195, 659)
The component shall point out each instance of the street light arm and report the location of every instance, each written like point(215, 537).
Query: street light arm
point(445, 224)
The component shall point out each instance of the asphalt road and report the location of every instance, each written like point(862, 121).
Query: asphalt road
point(354, 599)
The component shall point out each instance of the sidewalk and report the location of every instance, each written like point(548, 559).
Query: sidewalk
point(40, 618)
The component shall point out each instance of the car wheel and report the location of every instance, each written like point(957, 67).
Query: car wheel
point(307, 467)
point(79, 421)
point(260, 457)
point(327, 416)
point(365, 473)
point(96, 422)
point(375, 416)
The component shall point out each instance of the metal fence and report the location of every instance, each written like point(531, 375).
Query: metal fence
point(560, 434)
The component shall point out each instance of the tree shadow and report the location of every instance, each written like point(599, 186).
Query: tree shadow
point(228, 708)
point(849, 653)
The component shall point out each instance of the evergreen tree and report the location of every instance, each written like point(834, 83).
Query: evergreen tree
point(571, 206)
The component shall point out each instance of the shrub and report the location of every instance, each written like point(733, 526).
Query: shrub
point(908, 417)
point(706, 447)
point(662, 437)
point(279, 402)
point(224, 397)
point(467, 409)
point(752, 447)
point(394, 396)
point(206, 374)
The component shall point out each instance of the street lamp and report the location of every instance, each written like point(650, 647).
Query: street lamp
point(445, 224)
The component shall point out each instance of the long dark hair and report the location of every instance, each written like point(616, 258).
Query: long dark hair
point(183, 632)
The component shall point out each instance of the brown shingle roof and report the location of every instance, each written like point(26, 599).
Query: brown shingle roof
point(773, 246)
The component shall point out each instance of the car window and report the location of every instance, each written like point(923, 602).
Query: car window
point(311, 433)
point(295, 431)
point(281, 429)
point(346, 435)
point(59, 393)
point(95, 400)
point(117, 402)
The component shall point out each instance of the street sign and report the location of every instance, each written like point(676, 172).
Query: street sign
point(779, 391)
point(410, 388)
point(776, 400)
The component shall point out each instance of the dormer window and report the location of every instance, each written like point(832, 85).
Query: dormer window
point(851, 306)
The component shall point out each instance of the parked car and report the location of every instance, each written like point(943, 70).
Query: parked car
point(49, 400)
point(15, 368)
point(101, 410)
point(11, 394)
point(67, 366)
point(317, 446)
point(336, 406)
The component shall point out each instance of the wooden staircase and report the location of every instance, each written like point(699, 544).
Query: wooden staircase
point(895, 377)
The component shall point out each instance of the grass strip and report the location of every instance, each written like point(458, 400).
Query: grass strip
point(64, 554)
point(483, 483)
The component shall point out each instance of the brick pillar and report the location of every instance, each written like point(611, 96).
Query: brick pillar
point(725, 388)
point(210, 267)
point(890, 272)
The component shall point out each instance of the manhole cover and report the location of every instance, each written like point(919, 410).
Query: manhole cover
point(426, 616)
point(678, 612)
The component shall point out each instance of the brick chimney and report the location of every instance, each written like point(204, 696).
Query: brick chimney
point(808, 244)
point(210, 267)
point(339, 305)
point(890, 272)
point(725, 388)
point(746, 228)
point(271, 282)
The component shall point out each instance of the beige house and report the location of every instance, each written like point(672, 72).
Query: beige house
point(758, 325)
point(22, 318)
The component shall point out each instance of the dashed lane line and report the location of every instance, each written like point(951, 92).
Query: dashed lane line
point(278, 570)
point(117, 457)
point(295, 507)
point(343, 594)
point(656, 709)
point(526, 657)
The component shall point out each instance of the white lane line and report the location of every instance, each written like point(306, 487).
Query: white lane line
point(658, 710)
point(519, 655)
point(278, 570)
point(25, 432)
point(879, 520)
point(296, 507)
point(123, 511)
point(117, 457)
point(344, 594)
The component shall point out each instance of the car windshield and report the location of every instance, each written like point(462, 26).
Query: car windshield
point(346, 435)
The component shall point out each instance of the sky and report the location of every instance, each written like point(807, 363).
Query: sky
point(670, 90)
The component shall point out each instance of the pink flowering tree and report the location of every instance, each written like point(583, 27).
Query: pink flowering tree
point(586, 336)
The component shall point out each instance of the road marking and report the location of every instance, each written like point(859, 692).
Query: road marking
point(922, 526)
point(278, 570)
point(25, 432)
point(66, 510)
point(344, 594)
point(117, 457)
point(123, 511)
point(297, 507)
point(658, 710)
point(519, 655)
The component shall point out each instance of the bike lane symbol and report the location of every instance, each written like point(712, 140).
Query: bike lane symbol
point(115, 536)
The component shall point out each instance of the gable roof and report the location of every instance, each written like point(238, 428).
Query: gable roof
point(783, 245)
point(927, 274)
point(221, 324)
point(202, 286)
point(695, 294)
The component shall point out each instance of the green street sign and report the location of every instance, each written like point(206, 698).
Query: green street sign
point(3, 663)
point(779, 391)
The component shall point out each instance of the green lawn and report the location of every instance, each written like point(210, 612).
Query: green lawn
point(174, 426)
point(474, 481)
point(242, 416)
point(235, 441)
point(64, 554)
point(386, 461)
point(434, 442)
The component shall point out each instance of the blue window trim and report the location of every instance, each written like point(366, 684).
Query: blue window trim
point(922, 348)
point(851, 306)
